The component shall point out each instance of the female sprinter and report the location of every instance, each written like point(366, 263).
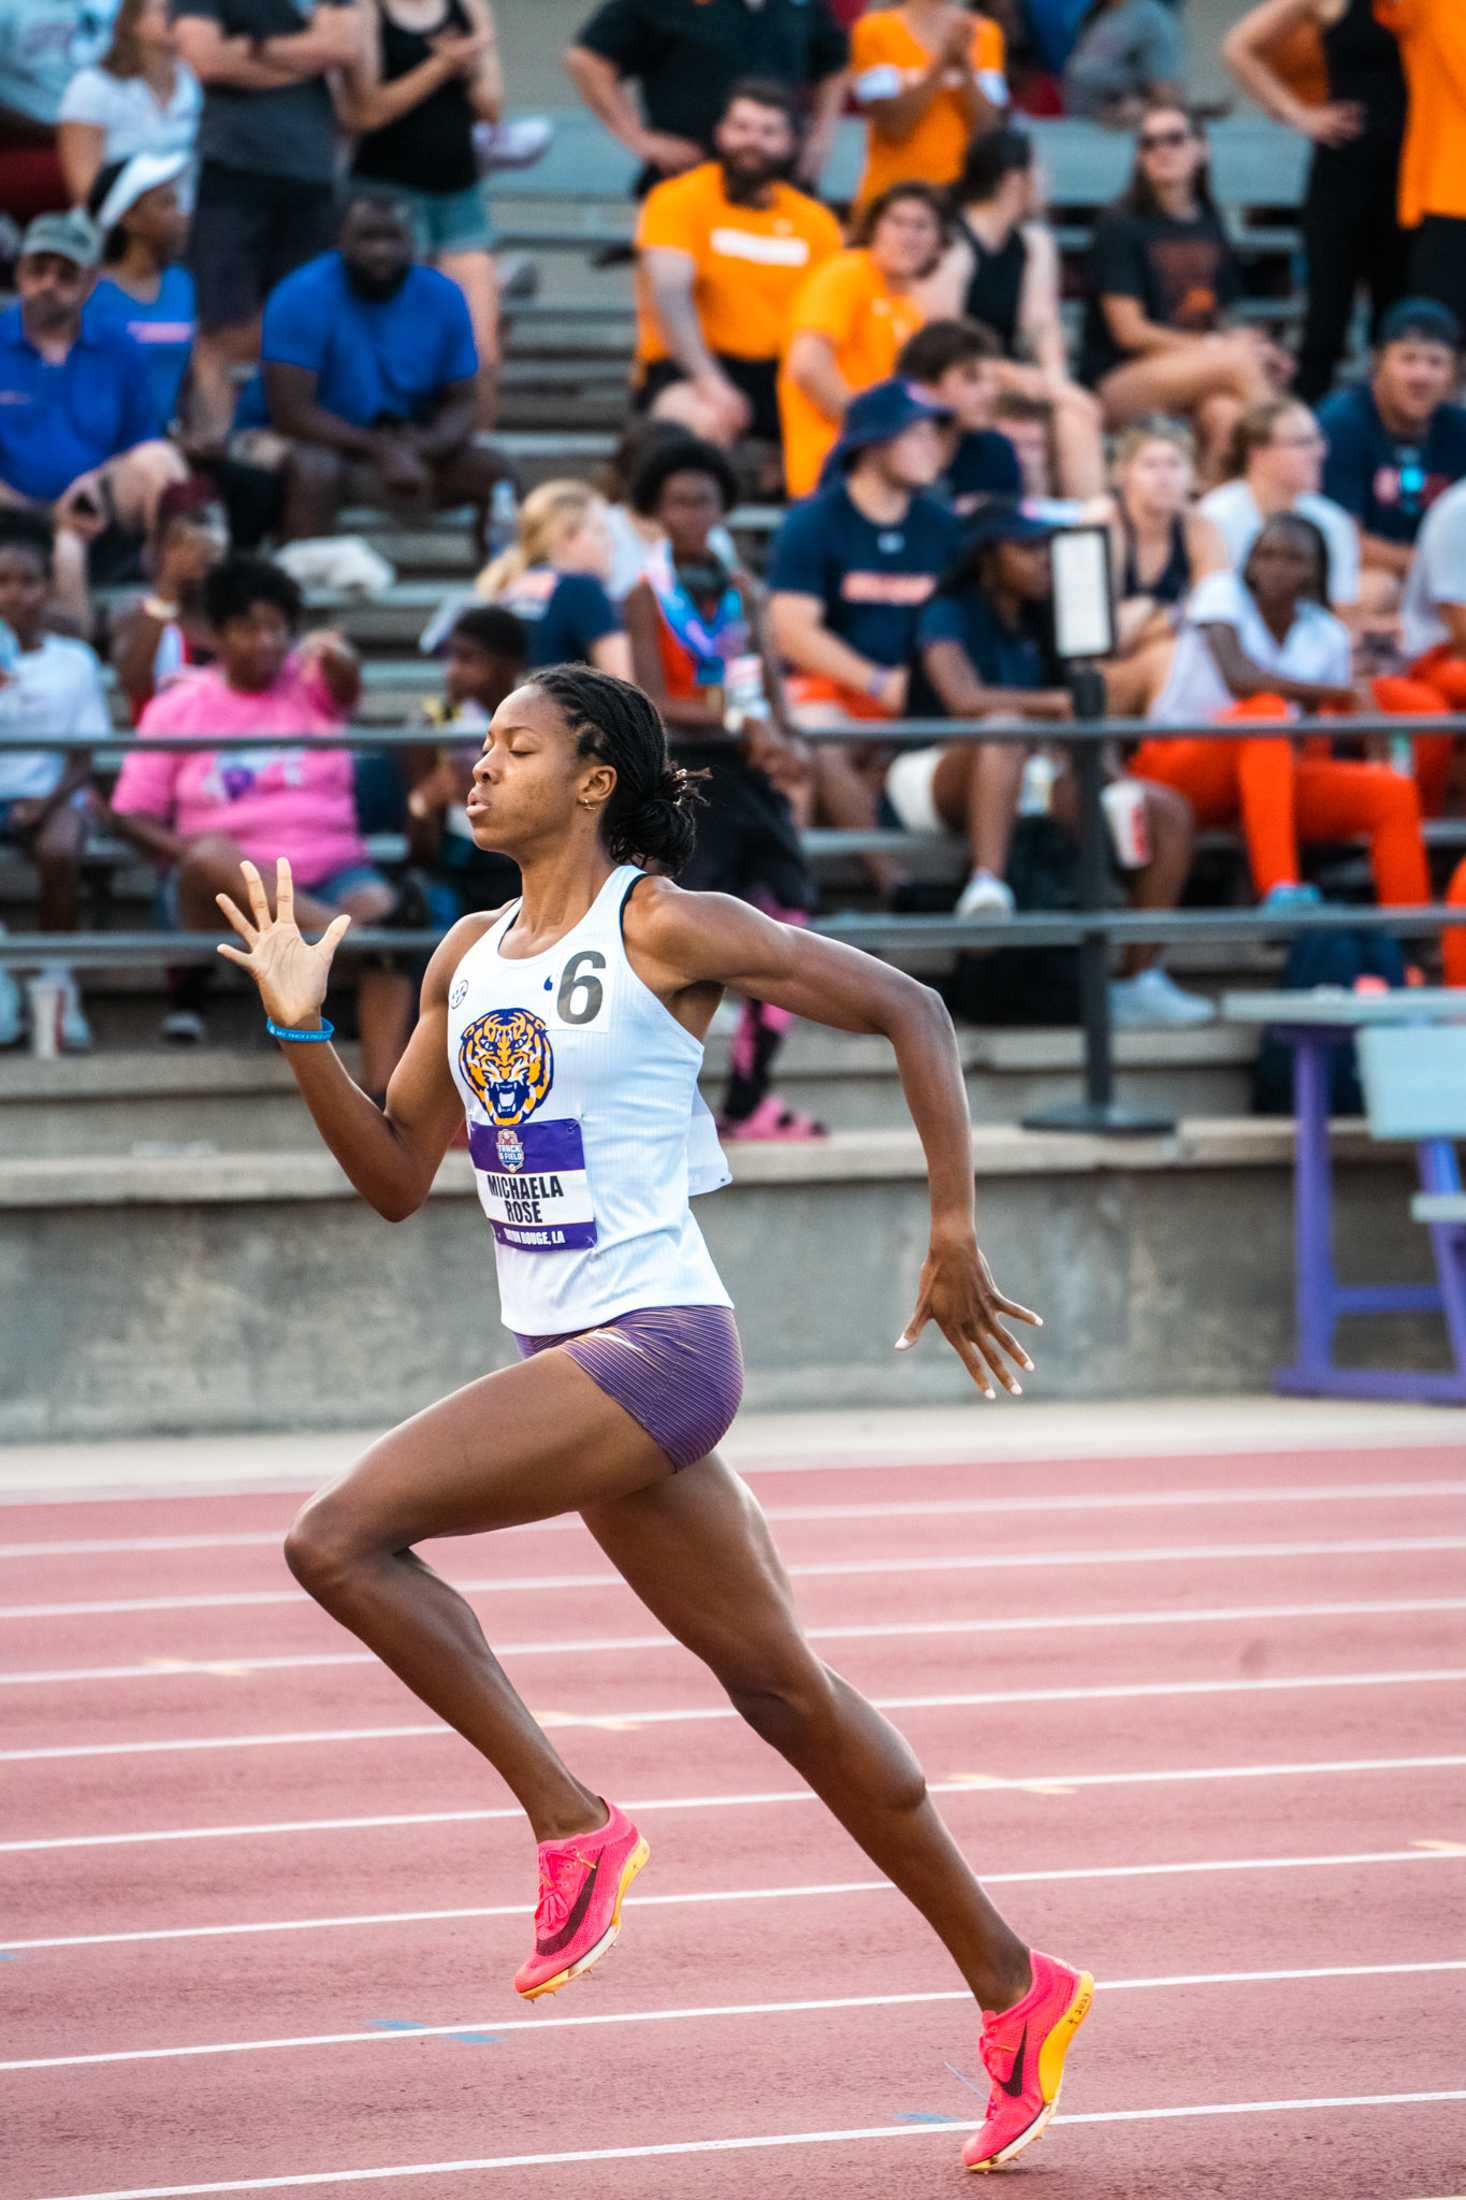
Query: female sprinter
point(569, 1026)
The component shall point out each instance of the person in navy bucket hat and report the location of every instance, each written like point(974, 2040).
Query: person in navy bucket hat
point(878, 415)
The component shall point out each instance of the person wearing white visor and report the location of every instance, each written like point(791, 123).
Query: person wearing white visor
point(144, 288)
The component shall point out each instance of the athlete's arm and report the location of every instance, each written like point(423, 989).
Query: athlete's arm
point(391, 1155)
point(678, 942)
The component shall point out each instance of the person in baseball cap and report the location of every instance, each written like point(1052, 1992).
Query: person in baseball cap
point(71, 237)
point(144, 287)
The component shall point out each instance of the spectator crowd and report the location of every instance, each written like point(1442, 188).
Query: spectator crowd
point(254, 284)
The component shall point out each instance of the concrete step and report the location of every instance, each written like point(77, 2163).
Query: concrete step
point(132, 1098)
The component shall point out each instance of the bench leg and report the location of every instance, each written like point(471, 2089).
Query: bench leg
point(1439, 1172)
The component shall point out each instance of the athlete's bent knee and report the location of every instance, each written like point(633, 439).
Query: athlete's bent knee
point(782, 1700)
point(320, 1548)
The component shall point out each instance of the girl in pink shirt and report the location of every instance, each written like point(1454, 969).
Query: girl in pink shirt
point(202, 811)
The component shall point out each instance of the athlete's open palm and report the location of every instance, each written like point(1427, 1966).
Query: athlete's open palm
point(957, 1292)
point(290, 972)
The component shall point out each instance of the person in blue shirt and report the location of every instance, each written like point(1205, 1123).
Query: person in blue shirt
point(144, 288)
point(1396, 443)
point(80, 438)
point(369, 370)
point(951, 363)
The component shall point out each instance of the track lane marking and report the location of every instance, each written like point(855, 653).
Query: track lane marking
point(602, 1645)
point(554, 1719)
point(1419, 1852)
point(679, 2147)
point(391, 2033)
point(823, 1569)
point(1306, 1493)
point(748, 1798)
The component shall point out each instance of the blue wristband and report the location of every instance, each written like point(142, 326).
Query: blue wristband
point(281, 1031)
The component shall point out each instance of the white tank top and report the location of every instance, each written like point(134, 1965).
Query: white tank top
point(585, 1126)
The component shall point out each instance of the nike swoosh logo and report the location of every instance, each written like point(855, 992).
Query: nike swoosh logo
point(572, 1923)
point(1013, 2083)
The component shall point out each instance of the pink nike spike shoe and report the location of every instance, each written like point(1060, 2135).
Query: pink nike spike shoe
point(578, 1915)
point(1023, 2050)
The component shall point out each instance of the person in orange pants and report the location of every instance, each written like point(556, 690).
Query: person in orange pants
point(1435, 683)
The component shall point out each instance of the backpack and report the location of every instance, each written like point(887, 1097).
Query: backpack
point(1335, 959)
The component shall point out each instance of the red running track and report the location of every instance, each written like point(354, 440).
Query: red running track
point(1199, 1722)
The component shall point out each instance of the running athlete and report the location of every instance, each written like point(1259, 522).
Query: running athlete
point(569, 1027)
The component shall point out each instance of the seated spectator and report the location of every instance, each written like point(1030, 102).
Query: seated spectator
point(1263, 647)
point(700, 648)
point(952, 365)
point(1433, 610)
point(1001, 269)
point(35, 68)
point(1128, 55)
point(849, 321)
point(635, 535)
point(849, 572)
point(369, 370)
point(1276, 466)
point(928, 77)
point(1160, 544)
point(983, 652)
point(1394, 443)
point(48, 685)
point(266, 198)
point(139, 98)
point(722, 251)
point(553, 579)
point(206, 810)
point(1028, 424)
point(687, 60)
point(414, 95)
point(167, 632)
point(143, 288)
point(486, 658)
point(80, 437)
point(1162, 280)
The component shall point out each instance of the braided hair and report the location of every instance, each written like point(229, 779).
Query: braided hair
point(650, 813)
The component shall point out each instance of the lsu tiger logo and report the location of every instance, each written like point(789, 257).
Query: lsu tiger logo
point(506, 1058)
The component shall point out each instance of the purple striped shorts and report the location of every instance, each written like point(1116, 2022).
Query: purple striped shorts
point(678, 1370)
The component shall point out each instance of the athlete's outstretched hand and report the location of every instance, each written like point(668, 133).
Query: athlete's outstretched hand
point(290, 972)
point(957, 1292)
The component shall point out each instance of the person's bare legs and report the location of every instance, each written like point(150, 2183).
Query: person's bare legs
point(1162, 882)
point(845, 796)
point(1079, 442)
point(697, 1551)
point(216, 354)
point(136, 482)
point(975, 790)
point(1214, 381)
point(477, 277)
point(528, 1443)
point(56, 852)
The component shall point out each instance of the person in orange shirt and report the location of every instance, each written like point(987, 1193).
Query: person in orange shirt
point(721, 253)
point(928, 76)
point(850, 320)
point(1432, 35)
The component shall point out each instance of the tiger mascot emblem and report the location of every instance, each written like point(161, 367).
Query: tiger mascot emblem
point(506, 1058)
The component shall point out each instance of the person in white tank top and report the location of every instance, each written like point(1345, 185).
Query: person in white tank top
point(568, 1028)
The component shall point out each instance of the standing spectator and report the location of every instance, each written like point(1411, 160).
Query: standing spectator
point(139, 98)
point(953, 365)
point(1432, 36)
point(1277, 466)
point(79, 433)
point(722, 251)
point(266, 197)
point(1162, 279)
point(928, 77)
point(35, 68)
point(1001, 269)
point(701, 650)
point(553, 579)
point(205, 810)
point(167, 632)
point(1128, 55)
point(1395, 443)
point(425, 76)
point(369, 370)
point(144, 288)
point(849, 321)
point(485, 660)
point(1351, 224)
point(48, 685)
point(688, 54)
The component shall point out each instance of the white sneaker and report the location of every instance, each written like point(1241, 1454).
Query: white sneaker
point(1153, 1000)
point(12, 1014)
point(985, 896)
point(182, 1027)
point(76, 1032)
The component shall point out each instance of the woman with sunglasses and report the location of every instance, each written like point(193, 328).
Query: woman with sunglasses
point(1276, 465)
point(1162, 279)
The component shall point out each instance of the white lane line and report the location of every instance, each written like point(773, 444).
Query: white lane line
point(824, 1569)
point(1306, 1493)
point(630, 1718)
point(389, 2038)
point(820, 1891)
point(245, 1664)
point(680, 2147)
point(749, 1798)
